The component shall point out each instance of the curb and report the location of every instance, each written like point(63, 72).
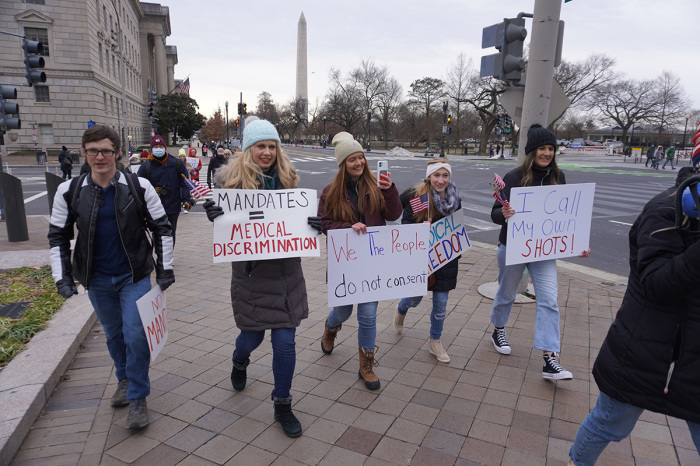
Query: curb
point(23, 392)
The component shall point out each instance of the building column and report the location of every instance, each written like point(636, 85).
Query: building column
point(161, 65)
point(145, 65)
point(171, 75)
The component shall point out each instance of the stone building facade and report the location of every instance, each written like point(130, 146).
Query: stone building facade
point(84, 79)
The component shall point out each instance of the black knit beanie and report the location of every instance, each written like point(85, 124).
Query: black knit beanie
point(538, 136)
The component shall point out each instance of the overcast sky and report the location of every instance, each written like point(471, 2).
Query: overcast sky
point(228, 47)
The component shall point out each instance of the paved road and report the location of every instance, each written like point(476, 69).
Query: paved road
point(622, 189)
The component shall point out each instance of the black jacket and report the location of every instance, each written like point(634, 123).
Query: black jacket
point(169, 173)
point(445, 277)
point(513, 179)
point(215, 163)
point(658, 323)
point(133, 220)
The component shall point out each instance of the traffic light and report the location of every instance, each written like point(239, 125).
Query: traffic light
point(150, 109)
point(238, 123)
point(8, 108)
point(514, 34)
point(449, 119)
point(32, 60)
point(245, 109)
point(153, 96)
point(508, 37)
point(240, 109)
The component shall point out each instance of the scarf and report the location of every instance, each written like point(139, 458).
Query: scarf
point(448, 205)
point(270, 180)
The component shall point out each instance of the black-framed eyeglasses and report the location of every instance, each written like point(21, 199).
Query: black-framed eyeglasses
point(105, 152)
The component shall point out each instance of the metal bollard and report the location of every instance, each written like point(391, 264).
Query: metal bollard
point(13, 202)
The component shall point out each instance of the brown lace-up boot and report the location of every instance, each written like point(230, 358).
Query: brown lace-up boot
point(367, 364)
point(328, 338)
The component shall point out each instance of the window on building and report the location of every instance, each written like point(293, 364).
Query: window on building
point(41, 93)
point(102, 63)
point(104, 97)
point(107, 55)
point(35, 2)
point(41, 35)
point(104, 15)
point(114, 65)
point(111, 103)
point(46, 133)
point(97, 9)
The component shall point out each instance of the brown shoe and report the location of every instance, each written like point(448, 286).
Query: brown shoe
point(367, 364)
point(328, 338)
point(438, 351)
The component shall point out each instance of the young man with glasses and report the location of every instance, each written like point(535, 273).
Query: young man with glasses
point(113, 257)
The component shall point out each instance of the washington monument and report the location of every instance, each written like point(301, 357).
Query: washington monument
point(302, 95)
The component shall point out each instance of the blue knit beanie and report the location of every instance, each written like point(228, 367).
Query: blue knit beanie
point(259, 130)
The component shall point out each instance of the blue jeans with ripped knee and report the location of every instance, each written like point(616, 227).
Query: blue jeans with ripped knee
point(437, 314)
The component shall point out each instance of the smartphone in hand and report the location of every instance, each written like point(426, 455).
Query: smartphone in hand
point(382, 169)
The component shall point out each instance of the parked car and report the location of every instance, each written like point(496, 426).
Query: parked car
point(588, 142)
point(578, 142)
point(612, 142)
point(563, 142)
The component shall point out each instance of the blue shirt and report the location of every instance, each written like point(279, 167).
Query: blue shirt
point(109, 256)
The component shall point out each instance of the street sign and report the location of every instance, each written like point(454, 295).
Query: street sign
point(91, 124)
point(512, 100)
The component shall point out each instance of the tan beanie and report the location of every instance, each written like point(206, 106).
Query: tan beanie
point(345, 146)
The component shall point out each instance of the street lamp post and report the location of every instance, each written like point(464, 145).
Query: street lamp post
point(325, 138)
point(129, 137)
point(687, 117)
point(226, 105)
point(369, 120)
point(121, 73)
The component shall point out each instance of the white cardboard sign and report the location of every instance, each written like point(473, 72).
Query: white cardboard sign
point(448, 239)
point(151, 308)
point(550, 222)
point(264, 224)
point(387, 262)
point(193, 161)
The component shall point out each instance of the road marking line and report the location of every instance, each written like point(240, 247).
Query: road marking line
point(36, 196)
point(621, 223)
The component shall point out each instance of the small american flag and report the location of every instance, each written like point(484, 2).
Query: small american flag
point(196, 188)
point(498, 185)
point(185, 86)
point(499, 181)
point(419, 203)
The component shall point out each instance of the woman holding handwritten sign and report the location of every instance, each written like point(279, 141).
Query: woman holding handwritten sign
point(355, 199)
point(266, 294)
point(539, 168)
point(435, 198)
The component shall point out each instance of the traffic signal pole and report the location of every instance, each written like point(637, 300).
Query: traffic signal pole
point(540, 68)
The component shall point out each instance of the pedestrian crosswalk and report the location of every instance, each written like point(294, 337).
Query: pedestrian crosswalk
point(328, 158)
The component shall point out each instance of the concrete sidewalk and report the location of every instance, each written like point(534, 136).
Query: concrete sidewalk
point(481, 408)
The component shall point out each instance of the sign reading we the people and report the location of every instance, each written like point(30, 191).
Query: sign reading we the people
point(550, 222)
point(264, 224)
point(385, 263)
point(151, 308)
point(448, 239)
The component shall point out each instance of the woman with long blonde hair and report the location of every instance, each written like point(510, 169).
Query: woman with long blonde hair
point(265, 294)
point(356, 200)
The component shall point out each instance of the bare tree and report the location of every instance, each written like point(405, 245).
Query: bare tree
point(388, 107)
point(671, 102)
point(427, 91)
point(266, 109)
point(482, 95)
point(624, 101)
point(579, 80)
point(344, 105)
point(457, 87)
point(215, 128)
point(293, 117)
point(409, 122)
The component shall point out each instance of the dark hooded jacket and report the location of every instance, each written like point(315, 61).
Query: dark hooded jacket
point(651, 355)
point(268, 294)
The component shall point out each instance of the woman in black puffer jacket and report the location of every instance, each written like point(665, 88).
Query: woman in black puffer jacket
point(443, 200)
point(650, 358)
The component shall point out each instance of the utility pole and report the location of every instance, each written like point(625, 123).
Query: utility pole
point(540, 68)
point(444, 128)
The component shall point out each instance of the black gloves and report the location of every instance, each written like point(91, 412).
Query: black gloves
point(213, 210)
point(316, 223)
point(66, 287)
point(165, 283)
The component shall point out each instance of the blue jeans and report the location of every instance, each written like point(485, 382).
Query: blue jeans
point(610, 420)
point(544, 279)
point(284, 356)
point(668, 160)
point(437, 314)
point(366, 319)
point(114, 299)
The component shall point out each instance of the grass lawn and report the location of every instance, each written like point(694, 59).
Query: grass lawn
point(26, 284)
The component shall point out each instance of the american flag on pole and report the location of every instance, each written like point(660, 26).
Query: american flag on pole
point(185, 86)
point(498, 185)
point(196, 188)
point(419, 203)
point(696, 148)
